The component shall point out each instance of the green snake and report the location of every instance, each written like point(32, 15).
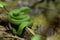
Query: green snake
point(17, 17)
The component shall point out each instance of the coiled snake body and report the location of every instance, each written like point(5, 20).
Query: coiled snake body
point(18, 17)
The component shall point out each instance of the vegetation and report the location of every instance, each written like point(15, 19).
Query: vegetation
point(30, 20)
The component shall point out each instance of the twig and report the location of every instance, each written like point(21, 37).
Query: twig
point(5, 9)
point(11, 36)
point(29, 30)
point(10, 27)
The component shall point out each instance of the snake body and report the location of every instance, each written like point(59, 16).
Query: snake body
point(18, 17)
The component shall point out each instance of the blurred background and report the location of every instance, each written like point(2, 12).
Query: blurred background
point(45, 15)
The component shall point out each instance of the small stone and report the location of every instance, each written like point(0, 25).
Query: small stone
point(39, 0)
point(32, 11)
point(9, 0)
point(25, 3)
point(20, 4)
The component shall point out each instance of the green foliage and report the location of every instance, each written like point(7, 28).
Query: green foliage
point(2, 4)
point(36, 37)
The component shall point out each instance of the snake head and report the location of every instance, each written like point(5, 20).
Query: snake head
point(24, 9)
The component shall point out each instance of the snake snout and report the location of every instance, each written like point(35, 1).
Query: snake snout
point(24, 9)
